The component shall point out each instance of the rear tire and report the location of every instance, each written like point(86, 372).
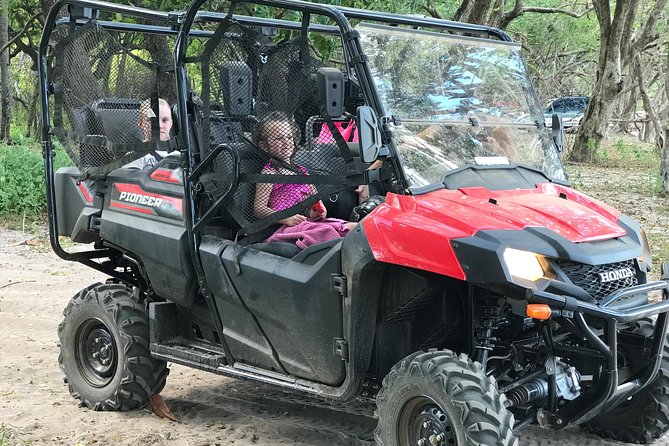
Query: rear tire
point(104, 349)
point(438, 398)
point(644, 417)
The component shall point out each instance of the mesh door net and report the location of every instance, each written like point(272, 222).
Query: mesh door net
point(261, 100)
point(106, 98)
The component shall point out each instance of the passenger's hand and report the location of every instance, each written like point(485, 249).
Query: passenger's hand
point(363, 193)
point(293, 221)
point(318, 211)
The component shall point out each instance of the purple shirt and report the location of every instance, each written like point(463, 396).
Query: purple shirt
point(283, 195)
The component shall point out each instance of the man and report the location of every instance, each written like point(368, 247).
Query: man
point(144, 123)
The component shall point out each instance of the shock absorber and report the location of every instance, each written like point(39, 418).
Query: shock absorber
point(532, 390)
point(485, 341)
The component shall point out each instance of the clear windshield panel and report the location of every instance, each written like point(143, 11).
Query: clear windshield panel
point(466, 93)
point(429, 150)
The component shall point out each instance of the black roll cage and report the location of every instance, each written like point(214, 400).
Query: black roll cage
point(180, 23)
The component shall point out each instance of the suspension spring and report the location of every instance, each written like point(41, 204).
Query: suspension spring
point(489, 323)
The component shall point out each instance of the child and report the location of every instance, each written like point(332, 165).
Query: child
point(275, 134)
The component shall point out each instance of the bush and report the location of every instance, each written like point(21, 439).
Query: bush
point(22, 184)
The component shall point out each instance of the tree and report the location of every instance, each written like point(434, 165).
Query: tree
point(665, 148)
point(619, 44)
point(5, 87)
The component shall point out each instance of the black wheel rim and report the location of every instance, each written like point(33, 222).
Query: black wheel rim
point(423, 422)
point(96, 353)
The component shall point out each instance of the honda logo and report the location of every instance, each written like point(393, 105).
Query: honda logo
point(610, 276)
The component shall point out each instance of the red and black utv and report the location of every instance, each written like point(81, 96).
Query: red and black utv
point(477, 293)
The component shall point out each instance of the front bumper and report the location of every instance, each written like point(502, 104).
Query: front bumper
point(607, 344)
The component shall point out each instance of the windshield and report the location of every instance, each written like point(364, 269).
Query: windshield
point(460, 101)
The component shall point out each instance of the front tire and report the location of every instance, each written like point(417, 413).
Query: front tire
point(644, 417)
point(439, 398)
point(104, 349)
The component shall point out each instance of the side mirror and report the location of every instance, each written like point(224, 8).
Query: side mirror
point(558, 132)
point(369, 134)
point(331, 90)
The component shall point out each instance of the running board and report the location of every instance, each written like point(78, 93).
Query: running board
point(203, 356)
point(193, 354)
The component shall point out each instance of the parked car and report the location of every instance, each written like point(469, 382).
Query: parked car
point(571, 108)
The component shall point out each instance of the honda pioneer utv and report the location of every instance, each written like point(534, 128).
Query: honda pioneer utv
point(477, 293)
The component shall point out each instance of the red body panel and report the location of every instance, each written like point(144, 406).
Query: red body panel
point(85, 191)
point(416, 231)
point(132, 197)
point(166, 176)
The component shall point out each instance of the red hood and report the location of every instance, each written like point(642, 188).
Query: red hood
point(405, 229)
point(564, 211)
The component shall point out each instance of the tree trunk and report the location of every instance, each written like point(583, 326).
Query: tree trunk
point(473, 11)
point(647, 103)
point(5, 93)
point(120, 76)
point(160, 52)
point(665, 149)
point(32, 112)
point(627, 111)
point(609, 82)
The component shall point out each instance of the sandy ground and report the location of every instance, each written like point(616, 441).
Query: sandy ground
point(36, 408)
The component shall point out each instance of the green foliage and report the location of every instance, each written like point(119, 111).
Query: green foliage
point(577, 181)
point(22, 183)
point(627, 151)
point(591, 146)
point(4, 436)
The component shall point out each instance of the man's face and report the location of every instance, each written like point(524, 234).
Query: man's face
point(164, 123)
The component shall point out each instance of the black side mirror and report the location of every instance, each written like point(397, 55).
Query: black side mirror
point(557, 131)
point(369, 134)
point(331, 90)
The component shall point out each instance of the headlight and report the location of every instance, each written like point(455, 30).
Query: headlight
point(526, 266)
point(645, 259)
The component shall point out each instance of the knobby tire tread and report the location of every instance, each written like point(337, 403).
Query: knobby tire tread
point(484, 417)
point(142, 375)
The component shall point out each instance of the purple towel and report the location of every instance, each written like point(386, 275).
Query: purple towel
point(310, 232)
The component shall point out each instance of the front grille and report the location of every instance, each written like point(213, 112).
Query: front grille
point(588, 277)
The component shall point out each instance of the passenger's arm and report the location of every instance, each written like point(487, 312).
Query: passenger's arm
point(261, 207)
point(261, 202)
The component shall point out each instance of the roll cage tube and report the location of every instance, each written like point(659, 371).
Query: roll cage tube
point(85, 257)
point(352, 45)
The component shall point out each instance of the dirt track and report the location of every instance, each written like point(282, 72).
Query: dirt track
point(36, 408)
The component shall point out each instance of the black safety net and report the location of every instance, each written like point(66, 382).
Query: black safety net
point(265, 116)
point(111, 90)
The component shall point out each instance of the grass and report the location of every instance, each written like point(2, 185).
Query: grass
point(625, 151)
point(4, 435)
point(33, 224)
point(22, 178)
